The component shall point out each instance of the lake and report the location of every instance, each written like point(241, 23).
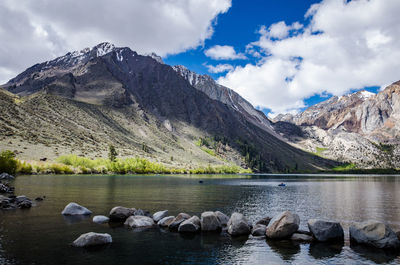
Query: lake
point(41, 235)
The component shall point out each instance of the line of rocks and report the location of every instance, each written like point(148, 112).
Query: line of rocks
point(283, 226)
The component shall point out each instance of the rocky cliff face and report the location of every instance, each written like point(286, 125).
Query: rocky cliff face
point(143, 102)
point(362, 128)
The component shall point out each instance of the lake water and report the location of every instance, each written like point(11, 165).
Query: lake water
point(41, 235)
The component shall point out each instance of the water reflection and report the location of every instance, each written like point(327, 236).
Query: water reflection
point(325, 250)
point(287, 249)
point(379, 256)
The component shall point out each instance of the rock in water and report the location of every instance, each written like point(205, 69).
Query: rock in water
point(160, 215)
point(374, 233)
point(166, 221)
point(325, 230)
point(265, 221)
point(174, 225)
point(23, 202)
point(139, 221)
point(238, 225)
point(75, 209)
point(301, 237)
point(119, 213)
point(223, 218)
point(259, 230)
point(190, 225)
point(6, 176)
point(100, 219)
point(92, 239)
point(142, 212)
point(210, 222)
point(283, 225)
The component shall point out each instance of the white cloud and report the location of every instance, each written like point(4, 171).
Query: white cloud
point(346, 46)
point(224, 52)
point(219, 68)
point(34, 31)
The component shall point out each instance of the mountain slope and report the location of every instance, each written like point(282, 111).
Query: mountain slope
point(362, 128)
point(140, 102)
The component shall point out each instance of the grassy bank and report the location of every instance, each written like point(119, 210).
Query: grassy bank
point(73, 164)
point(351, 168)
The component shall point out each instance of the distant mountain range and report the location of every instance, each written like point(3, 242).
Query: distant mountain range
point(362, 128)
point(84, 101)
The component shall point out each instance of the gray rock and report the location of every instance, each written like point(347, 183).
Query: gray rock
point(100, 219)
point(210, 222)
point(301, 237)
point(259, 230)
point(265, 221)
point(223, 218)
point(238, 225)
point(174, 225)
point(139, 221)
point(190, 225)
point(75, 209)
point(23, 202)
point(141, 212)
point(6, 176)
point(5, 188)
point(283, 225)
point(166, 221)
point(120, 214)
point(92, 239)
point(374, 233)
point(160, 215)
point(398, 234)
point(325, 230)
point(304, 232)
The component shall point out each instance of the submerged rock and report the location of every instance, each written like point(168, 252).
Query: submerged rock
point(166, 221)
point(259, 230)
point(139, 221)
point(174, 225)
point(190, 225)
point(238, 225)
point(100, 219)
point(301, 237)
point(210, 222)
point(120, 214)
point(23, 202)
point(73, 208)
point(265, 221)
point(223, 218)
point(160, 215)
point(325, 230)
point(283, 225)
point(374, 233)
point(92, 239)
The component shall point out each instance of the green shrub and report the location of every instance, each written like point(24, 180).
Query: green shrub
point(24, 167)
point(8, 163)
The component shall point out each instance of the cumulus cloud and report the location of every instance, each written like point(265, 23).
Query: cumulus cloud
point(219, 68)
point(347, 45)
point(34, 31)
point(224, 52)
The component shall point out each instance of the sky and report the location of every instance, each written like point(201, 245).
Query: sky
point(282, 56)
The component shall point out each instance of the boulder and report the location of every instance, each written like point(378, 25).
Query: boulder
point(265, 221)
point(223, 218)
point(166, 221)
point(141, 212)
point(283, 225)
point(119, 213)
point(238, 225)
point(23, 202)
point(160, 215)
point(174, 225)
point(75, 209)
point(259, 230)
point(374, 233)
point(92, 239)
point(100, 219)
point(4, 176)
point(301, 237)
point(210, 222)
point(325, 230)
point(139, 221)
point(190, 225)
point(398, 234)
point(4, 188)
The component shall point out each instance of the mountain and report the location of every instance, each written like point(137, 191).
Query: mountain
point(362, 127)
point(85, 100)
